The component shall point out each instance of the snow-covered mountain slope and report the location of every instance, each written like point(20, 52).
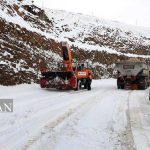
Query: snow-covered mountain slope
point(30, 34)
point(22, 42)
point(91, 33)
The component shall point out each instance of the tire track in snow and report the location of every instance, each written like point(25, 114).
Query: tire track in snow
point(139, 116)
point(127, 135)
point(76, 117)
point(22, 126)
point(25, 116)
point(50, 126)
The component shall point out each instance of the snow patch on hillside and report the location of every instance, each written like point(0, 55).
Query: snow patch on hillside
point(72, 19)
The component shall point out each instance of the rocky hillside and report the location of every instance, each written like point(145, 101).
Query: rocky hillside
point(30, 34)
point(91, 33)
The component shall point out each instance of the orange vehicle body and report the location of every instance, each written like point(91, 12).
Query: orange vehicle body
point(69, 77)
point(67, 58)
point(85, 73)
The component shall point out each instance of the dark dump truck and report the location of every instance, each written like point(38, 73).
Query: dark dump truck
point(133, 74)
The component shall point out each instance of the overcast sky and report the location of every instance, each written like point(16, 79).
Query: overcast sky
point(135, 12)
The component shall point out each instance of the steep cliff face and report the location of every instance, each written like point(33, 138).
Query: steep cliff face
point(29, 34)
point(20, 53)
point(21, 46)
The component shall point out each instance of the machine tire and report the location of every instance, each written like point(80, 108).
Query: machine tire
point(122, 86)
point(79, 85)
point(89, 85)
point(144, 86)
point(85, 85)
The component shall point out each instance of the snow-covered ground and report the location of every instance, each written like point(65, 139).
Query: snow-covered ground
point(102, 119)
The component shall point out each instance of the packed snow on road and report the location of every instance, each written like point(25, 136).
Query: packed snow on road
point(104, 118)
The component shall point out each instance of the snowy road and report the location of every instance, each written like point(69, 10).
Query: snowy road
point(102, 119)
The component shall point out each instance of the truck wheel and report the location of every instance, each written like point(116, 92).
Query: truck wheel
point(122, 86)
point(142, 86)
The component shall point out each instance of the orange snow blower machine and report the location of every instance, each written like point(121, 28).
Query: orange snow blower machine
point(69, 75)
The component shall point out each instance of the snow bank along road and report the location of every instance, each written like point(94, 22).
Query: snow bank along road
point(102, 119)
